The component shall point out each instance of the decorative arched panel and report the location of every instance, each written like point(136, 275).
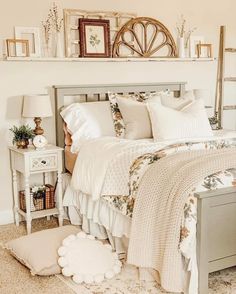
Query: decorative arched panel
point(144, 37)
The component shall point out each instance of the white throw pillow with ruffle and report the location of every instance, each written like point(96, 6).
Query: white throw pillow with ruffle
point(87, 260)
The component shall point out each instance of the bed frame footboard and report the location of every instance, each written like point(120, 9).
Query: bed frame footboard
point(216, 233)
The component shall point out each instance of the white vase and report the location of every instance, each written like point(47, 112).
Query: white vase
point(58, 46)
point(181, 49)
point(187, 52)
point(46, 50)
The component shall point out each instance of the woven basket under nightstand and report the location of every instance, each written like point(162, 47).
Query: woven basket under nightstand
point(38, 202)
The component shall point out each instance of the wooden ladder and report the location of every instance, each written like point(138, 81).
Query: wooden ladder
point(220, 82)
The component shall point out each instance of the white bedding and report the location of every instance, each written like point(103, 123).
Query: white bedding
point(103, 168)
point(102, 165)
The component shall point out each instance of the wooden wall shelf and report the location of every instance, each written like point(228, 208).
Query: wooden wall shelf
point(51, 59)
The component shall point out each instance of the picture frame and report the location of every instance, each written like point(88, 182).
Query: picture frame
point(194, 41)
point(71, 18)
point(32, 34)
point(11, 46)
point(94, 35)
point(204, 50)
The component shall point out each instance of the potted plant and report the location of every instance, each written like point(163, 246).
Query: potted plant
point(22, 135)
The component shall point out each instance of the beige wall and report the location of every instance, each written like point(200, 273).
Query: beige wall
point(19, 78)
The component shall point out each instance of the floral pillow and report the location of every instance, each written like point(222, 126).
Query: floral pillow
point(119, 124)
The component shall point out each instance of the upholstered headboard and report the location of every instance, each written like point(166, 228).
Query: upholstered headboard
point(65, 95)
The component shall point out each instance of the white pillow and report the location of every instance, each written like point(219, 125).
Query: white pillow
point(131, 117)
point(38, 251)
point(190, 122)
point(136, 119)
point(135, 114)
point(88, 120)
point(128, 126)
point(87, 260)
point(177, 103)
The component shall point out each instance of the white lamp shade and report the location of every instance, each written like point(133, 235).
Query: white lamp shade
point(37, 106)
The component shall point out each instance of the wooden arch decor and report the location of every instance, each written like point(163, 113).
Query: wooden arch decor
point(144, 37)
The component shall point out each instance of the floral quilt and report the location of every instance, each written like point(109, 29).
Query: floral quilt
point(227, 178)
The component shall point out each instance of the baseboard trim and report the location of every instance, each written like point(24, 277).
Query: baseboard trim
point(6, 217)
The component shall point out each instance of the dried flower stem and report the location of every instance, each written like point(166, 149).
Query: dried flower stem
point(181, 27)
point(47, 30)
point(54, 18)
point(187, 37)
point(182, 33)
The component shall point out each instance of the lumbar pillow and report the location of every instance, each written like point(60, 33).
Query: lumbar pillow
point(190, 122)
point(38, 251)
point(87, 260)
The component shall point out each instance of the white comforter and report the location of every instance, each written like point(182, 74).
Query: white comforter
point(103, 164)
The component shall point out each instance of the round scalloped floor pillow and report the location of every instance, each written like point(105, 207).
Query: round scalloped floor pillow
point(87, 260)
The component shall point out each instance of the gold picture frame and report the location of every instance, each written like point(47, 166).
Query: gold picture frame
point(207, 47)
point(194, 41)
point(15, 42)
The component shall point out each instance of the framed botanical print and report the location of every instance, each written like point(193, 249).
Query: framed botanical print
point(94, 37)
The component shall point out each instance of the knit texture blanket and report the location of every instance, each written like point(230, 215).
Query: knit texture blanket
point(158, 211)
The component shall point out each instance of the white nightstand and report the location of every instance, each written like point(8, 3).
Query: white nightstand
point(30, 161)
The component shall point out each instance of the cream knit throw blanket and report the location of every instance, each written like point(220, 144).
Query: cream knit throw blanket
point(158, 210)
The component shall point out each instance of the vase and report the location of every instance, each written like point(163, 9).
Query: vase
point(181, 49)
point(46, 50)
point(187, 52)
point(22, 144)
point(58, 46)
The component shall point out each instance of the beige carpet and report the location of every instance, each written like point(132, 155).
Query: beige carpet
point(16, 279)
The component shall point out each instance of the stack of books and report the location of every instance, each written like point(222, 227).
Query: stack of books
point(39, 200)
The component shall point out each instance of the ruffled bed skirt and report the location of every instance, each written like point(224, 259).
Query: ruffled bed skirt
point(97, 218)
point(104, 222)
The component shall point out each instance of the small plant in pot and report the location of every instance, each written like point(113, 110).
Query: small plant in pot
point(22, 135)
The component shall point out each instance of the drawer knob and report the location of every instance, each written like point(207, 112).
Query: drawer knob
point(43, 162)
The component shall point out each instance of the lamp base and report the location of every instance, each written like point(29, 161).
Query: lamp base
point(38, 130)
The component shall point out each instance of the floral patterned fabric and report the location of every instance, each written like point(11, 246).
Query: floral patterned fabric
point(117, 117)
point(125, 204)
point(187, 230)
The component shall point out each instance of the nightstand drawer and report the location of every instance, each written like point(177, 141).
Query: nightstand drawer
point(43, 162)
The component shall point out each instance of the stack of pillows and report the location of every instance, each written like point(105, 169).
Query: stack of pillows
point(157, 115)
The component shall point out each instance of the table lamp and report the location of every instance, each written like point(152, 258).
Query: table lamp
point(37, 107)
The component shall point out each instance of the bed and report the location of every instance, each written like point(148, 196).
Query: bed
point(103, 218)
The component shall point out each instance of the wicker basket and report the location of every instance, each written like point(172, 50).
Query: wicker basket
point(38, 201)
